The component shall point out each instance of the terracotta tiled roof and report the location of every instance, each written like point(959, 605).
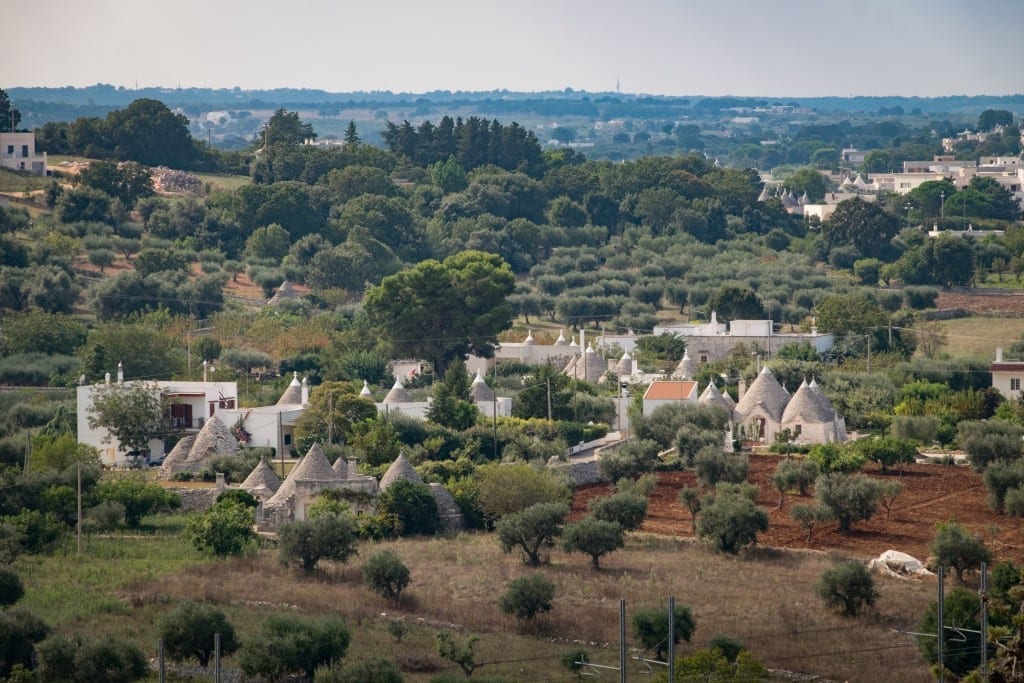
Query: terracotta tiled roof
point(668, 390)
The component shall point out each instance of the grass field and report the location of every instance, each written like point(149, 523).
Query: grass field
point(122, 585)
point(14, 182)
point(220, 181)
point(977, 338)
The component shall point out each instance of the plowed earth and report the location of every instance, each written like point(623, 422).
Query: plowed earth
point(931, 494)
point(992, 303)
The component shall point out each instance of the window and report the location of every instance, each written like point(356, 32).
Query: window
point(10, 149)
point(287, 439)
point(1015, 384)
point(24, 150)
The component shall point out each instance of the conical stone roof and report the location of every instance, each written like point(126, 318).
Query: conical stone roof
point(479, 391)
point(292, 396)
point(400, 470)
point(807, 405)
point(712, 396)
point(313, 467)
point(285, 291)
point(398, 394)
point(529, 341)
point(561, 339)
point(213, 439)
point(365, 391)
point(765, 392)
point(174, 462)
point(625, 365)
point(262, 477)
point(686, 368)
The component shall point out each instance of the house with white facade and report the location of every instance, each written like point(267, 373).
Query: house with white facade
point(706, 342)
point(189, 406)
point(271, 426)
point(1007, 375)
point(669, 392)
point(18, 153)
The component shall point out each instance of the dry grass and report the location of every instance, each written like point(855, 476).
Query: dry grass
point(979, 337)
point(765, 599)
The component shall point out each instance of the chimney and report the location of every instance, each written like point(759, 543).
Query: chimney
point(120, 373)
point(583, 338)
point(350, 471)
point(305, 391)
point(741, 389)
point(106, 378)
point(999, 354)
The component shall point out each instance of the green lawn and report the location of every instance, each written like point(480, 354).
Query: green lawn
point(979, 337)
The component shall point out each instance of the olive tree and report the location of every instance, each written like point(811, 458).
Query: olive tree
point(188, 632)
point(849, 497)
point(731, 520)
point(848, 587)
point(650, 627)
point(594, 537)
point(956, 547)
point(531, 530)
point(527, 596)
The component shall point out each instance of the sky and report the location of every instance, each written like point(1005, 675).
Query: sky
point(797, 48)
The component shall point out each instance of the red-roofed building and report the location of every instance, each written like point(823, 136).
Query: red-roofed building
point(669, 392)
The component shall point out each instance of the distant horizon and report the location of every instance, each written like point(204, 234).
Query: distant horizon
point(877, 48)
point(565, 90)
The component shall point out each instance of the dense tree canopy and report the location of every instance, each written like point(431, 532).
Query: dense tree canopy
point(443, 311)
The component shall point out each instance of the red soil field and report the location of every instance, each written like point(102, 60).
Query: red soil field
point(931, 494)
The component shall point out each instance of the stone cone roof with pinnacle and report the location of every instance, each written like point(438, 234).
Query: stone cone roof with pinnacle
point(686, 368)
point(175, 460)
point(625, 365)
point(712, 396)
point(398, 394)
point(808, 405)
point(588, 366)
point(213, 439)
point(365, 391)
point(479, 391)
point(530, 341)
point(285, 291)
point(262, 477)
point(292, 396)
point(766, 392)
point(401, 470)
point(561, 339)
point(314, 466)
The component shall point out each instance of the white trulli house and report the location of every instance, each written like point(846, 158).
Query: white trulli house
point(300, 489)
point(766, 408)
point(194, 452)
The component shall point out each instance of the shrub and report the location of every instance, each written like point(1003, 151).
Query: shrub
point(629, 460)
point(689, 498)
point(531, 529)
point(729, 647)
point(628, 509)
point(188, 632)
point(989, 441)
point(644, 486)
point(849, 587)
point(413, 504)
point(920, 298)
point(650, 627)
point(1014, 503)
point(714, 465)
point(11, 587)
point(504, 489)
point(962, 650)
point(887, 451)
point(527, 596)
point(460, 654)
point(1000, 477)
point(20, 630)
point(692, 440)
point(731, 520)
point(386, 574)
point(138, 497)
point(377, 670)
point(327, 537)
point(593, 537)
point(225, 529)
point(954, 546)
point(291, 644)
point(240, 496)
point(106, 516)
point(833, 457)
point(38, 531)
point(849, 497)
point(790, 473)
point(72, 661)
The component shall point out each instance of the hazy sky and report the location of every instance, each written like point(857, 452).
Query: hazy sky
point(675, 47)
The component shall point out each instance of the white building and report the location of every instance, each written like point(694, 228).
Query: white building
point(18, 153)
point(190, 404)
point(1007, 375)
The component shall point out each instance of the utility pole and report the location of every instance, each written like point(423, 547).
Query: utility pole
point(78, 526)
point(983, 596)
point(941, 617)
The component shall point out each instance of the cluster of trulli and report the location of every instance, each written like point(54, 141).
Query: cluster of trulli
point(765, 409)
point(786, 196)
point(290, 500)
point(195, 451)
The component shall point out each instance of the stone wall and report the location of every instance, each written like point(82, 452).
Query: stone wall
point(197, 500)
